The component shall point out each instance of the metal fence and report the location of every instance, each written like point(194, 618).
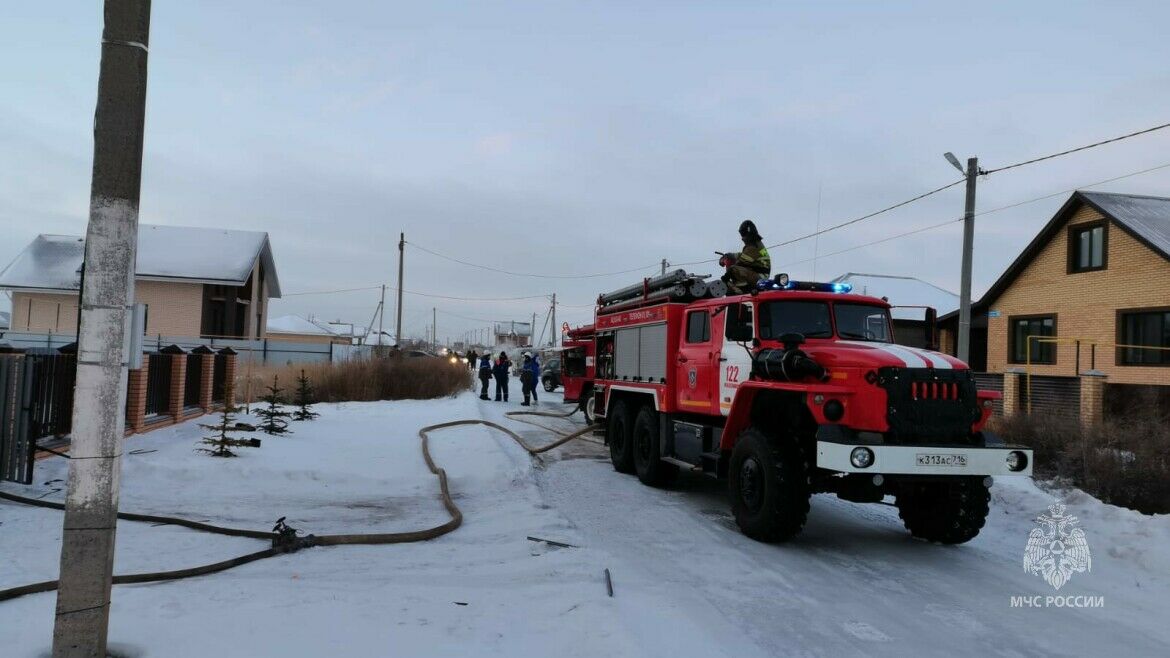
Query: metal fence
point(1056, 396)
point(16, 444)
point(219, 378)
point(158, 385)
point(194, 380)
point(259, 351)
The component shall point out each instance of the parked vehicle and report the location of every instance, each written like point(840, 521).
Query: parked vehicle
point(794, 389)
point(550, 374)
point(577, 368)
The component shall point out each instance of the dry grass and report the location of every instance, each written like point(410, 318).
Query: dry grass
point(372, 379)
point(1125, 461)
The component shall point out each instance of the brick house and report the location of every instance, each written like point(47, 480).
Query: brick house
point(194, 282)
point(1097, 273)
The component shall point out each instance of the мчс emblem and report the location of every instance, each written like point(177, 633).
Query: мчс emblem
point(692, 378)
point(1057, 549)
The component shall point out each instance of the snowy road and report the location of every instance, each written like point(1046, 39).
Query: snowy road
point(686, 582)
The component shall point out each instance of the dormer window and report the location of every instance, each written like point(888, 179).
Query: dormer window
point(1087, 247)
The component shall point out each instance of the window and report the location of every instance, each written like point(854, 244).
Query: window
point(1087, 247)
point(698, 327)
point(743, 321)
point(1148, 328)
point(802, 317)
point(862, 322)
point(1030, 328)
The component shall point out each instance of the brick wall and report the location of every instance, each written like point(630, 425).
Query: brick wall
point(1085, 303)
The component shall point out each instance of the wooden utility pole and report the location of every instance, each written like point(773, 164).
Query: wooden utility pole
point(99, 404)
point(401, 255)
point(434, 330)
point(532, 332)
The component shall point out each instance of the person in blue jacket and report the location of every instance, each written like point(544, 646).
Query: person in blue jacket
point(529, 376)
point(485, 375)
point(501, 370)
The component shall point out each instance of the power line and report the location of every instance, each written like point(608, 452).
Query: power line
point(1079, 148)
point(870, 215)
point(329, 292)
point(528, 274)
point(985, 212)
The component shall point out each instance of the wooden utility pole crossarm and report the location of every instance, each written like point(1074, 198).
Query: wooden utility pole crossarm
point(91, 503)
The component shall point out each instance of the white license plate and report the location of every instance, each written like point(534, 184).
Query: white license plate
point(927, 459)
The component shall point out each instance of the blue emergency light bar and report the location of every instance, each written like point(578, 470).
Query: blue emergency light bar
point(782, 282)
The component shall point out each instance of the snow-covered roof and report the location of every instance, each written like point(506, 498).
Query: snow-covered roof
point(197, 255)
point(385, 338)
point(902, 291)
point(513, 328)
point(294, 324)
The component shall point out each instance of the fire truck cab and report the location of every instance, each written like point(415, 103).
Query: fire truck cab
point(578, 368)
point(792, 390)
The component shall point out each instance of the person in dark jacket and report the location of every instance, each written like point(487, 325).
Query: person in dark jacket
point(485, 375)
point(527, 379)
point(500, 371)
point(472, 359)
point(747, 267)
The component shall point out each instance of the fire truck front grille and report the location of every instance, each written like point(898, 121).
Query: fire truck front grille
point(925, 405)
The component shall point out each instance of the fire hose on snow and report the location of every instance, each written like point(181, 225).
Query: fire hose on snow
point(285, 539)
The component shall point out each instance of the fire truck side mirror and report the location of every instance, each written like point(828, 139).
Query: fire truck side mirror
point(931, 328)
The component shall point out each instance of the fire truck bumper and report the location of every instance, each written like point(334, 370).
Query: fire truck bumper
point(923, 459)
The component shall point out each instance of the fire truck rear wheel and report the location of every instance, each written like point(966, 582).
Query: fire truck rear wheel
point(944, 512)
point(618, 434)
point(769, 486)
point(648, 464)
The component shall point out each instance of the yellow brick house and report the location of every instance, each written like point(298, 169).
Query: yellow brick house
point(207, 282)
point(1096, 277)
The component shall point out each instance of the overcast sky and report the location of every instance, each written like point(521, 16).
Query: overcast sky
point(576, 138)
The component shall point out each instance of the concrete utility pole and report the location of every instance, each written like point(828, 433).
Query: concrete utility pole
point(556, 329)
point(532, 332)
point(963, 340)
point(664, 264)
point(99, 404)
point(401, 254)
point(381, 314)
point(434, 330)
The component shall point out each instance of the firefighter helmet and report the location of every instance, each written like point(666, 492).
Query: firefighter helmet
point(748, 230)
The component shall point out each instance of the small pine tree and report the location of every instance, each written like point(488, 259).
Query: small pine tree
point(221, 441)
point(274, 416)
point(304, 399)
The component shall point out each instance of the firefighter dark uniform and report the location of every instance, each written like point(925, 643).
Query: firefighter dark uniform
point(749, 266)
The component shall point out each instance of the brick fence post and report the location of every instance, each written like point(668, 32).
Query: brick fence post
point(136, 396)
point(206, 363)
point(229, 377)
point(1092, 397)
point(178, 383)
point(1011, 392)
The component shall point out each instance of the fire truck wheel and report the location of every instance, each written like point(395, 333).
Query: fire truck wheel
point(652, 471)
point(945, 512)
point(587, 406)
point(617, 434)
point(769, 486)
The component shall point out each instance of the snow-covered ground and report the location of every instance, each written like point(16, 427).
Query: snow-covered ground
point(686, 583)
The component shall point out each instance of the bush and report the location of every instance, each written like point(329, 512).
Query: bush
point(1124, 461)
point(365, 380)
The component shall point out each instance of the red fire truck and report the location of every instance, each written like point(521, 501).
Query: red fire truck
point(794, 389)
point(578, 368)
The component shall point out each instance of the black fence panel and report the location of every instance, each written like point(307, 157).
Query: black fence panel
point(194, 380)
point(991, 381)
point(17, 446)
point(51, 405)
point(219, 378)
point(1055, 396)
point(1122, 400)
point(158, 384)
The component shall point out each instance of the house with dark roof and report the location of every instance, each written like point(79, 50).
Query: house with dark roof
point(1091, 291)
point(194, 282)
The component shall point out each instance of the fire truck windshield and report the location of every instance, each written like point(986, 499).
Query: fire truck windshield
point(811, 318)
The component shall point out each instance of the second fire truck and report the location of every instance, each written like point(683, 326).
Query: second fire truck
point(795, 389)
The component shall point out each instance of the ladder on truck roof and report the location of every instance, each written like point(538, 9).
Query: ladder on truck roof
point(676, 286)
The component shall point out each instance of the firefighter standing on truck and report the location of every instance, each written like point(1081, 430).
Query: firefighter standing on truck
point(747, 267)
